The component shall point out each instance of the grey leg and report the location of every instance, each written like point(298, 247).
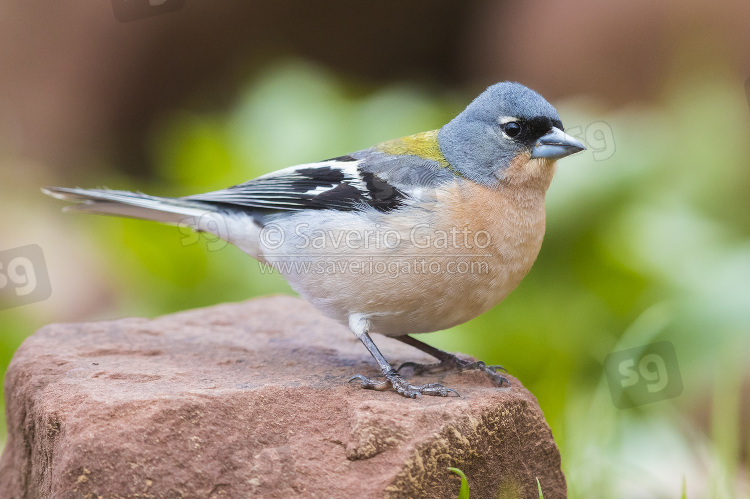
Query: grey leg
point(360, 326)
point(448, 362)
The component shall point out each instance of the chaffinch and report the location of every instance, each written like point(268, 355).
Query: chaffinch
point(413, 235)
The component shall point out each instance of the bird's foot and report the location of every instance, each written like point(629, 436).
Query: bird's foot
point(453, 363)
point(397, 383)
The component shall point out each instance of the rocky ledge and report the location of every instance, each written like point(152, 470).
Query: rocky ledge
point(251, 400)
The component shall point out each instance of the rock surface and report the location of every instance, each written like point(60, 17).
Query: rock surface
point(251, 400)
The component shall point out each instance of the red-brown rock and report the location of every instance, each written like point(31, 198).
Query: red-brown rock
point(251, 400)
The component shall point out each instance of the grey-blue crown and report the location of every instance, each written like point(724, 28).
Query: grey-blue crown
point(509, 99)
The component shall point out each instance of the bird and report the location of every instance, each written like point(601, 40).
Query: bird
point(412, 235)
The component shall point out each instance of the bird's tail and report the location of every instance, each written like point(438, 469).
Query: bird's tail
point(173, 211)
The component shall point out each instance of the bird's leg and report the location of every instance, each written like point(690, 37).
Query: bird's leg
point(448, 362)
point(360, 326)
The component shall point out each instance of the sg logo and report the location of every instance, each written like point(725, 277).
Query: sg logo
point(23, 276)
point(597, 136)
point(643, 375)
point(211, 226)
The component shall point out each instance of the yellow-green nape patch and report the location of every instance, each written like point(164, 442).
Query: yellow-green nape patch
point(424, 145)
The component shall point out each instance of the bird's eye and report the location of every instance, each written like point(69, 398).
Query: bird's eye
point(512, 129)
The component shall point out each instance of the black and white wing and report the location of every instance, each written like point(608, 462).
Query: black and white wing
point(339, 183)
point(369, 177)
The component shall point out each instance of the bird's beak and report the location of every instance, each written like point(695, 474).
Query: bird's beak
point(555, 145)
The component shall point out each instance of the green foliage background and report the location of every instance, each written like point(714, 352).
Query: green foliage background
point(652, 243)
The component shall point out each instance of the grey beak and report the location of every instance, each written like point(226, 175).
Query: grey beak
point(555, 145)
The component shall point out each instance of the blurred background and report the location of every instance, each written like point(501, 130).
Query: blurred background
point(648, 235)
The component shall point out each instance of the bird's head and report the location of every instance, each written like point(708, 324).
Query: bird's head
point(509, 127)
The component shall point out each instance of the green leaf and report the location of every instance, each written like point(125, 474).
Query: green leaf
point(463, 493)
point(539, 487)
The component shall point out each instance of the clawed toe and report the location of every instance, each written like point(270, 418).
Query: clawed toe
point(397, 383)
point(455, 364)
point(490, 371)
point(435, 389)
point(499, 379)
point(493, 368)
